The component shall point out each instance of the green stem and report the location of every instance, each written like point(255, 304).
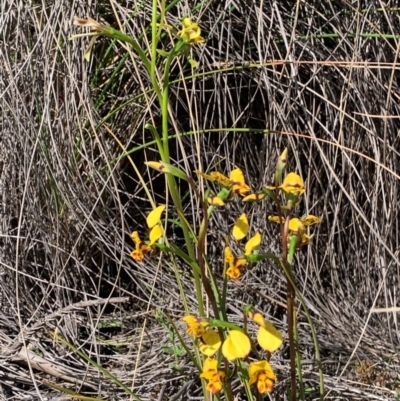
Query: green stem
point(154, 40)
point(118, 35)
point(313, 333)
point(290, 293)
point(290, 306)
point(170, 179)
point(298, 360)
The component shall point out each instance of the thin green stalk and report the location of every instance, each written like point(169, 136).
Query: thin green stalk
point(290, 306)
point(164, 103)
point(118, 35)
point(180, 286)
point(154, 40)
point(313, 334)
point(298, 360)
point(165, 97)
point(164, 146)
point(290, 293)
point(157, 139)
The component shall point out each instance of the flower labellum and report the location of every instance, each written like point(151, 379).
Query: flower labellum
point(234, 264)
point(141, 248)
point(213, 375)
point(260, 372)
point(239, 185)
point(293, 184)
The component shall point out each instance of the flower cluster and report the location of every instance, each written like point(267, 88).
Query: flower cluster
point(298, 226)
point(241, 251)
point(236, 345)
point(292, 188)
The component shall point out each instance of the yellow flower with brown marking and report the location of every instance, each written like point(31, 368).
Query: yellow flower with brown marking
point(298, 227)
point(196, 325)
point(141, 247)
point(293, 184)
point(254, 197)
point(234, 264)
point(236, 181)
point(212, 375)
point(156, 232)
point(261, 372)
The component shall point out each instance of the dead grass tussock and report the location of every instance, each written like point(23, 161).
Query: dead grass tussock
point(70, 201)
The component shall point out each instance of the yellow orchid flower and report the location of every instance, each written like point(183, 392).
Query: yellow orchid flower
point(234, 264)
point(298, 226)
point(293, 184)
point(213, 375)
point(215, 201)
point(196, 326)
point(215, 176)
point(235, 181)
point(190, 32)
point(256, 317)
point(210, 342)
point(143, 247)
point(239, 185)
point(310, 220)
point(276, 219)
point(236, 345)
point(261, 372)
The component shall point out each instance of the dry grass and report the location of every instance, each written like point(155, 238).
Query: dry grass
point(70, 198)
